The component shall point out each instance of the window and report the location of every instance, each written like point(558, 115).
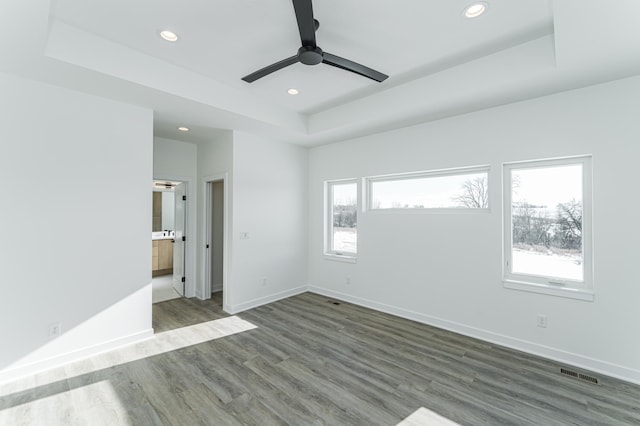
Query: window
point(548, 227)
point(458, 189)
point(342, 218)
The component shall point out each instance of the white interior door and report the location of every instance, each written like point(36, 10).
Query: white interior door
point(179, 244)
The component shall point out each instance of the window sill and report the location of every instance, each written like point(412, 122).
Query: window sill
point(568, 292)
point(340, 258)
point(435, 211)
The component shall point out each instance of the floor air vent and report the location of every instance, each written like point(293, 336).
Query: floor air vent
point(580, 376)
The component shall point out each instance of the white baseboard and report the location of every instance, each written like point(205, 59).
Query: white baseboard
point(234, 309)
point(12, 373)
point(216, 288)
point(560, 356)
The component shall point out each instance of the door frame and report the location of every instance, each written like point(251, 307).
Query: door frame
point(207, 183)
point(189, 268)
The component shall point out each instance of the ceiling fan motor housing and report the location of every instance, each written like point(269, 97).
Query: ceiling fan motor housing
point(310, 55)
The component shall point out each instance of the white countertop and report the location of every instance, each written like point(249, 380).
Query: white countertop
point(162, 235)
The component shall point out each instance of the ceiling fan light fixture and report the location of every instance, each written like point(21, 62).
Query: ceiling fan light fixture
point(293, 91)
point(169, 35)
point(476, 9)
point(183, 129)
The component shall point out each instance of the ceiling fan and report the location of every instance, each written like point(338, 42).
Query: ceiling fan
point(309, 53)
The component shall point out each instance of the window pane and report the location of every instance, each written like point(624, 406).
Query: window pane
point(448, 191)
point(344, 236)
point(546, 214)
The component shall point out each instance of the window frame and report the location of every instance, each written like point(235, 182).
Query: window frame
point(329, 252)
point(581, 290)
point(368, 183)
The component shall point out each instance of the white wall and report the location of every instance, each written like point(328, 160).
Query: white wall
point(177, 160)
point(215, 160)
point(446, 269)
point(270, 204)
point(71, 162)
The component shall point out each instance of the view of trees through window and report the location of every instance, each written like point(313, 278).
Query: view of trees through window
point(344, 234)
point(546, 220)
point(449, 191)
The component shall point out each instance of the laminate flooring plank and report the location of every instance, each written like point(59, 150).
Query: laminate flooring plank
point(324, 357)
point(546, 388)
point(205, 408)
point(312, 362)
point(183, 312)
point(610, 404)
point(410, 360)
point(403, 327)
point(397, 338)
point(251, 411)
point(255, 342)
point(320, 405)
point(369, 412)
point(288, 407)
point(528, 402)
point(419, 358)
point(609, 413)
point(142, 415)
point(211, 374)
point(355, 350)
point(373, 392)
point(476, 410)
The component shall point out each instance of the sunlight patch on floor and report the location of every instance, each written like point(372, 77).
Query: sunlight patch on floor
point(90, 402)
point(161, 343)
point(425, 417)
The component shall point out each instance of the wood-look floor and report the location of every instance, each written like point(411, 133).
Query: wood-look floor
point(312, 362)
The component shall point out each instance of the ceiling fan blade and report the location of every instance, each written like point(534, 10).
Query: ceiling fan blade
point(269, 69)
point(306, 24)
point(348, 65)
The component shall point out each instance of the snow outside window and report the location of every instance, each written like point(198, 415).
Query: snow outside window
point(548, 227)
point(342, 218)
point(449, 190)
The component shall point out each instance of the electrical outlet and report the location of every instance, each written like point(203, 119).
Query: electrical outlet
point(264, 282)
point(542, 321)
point(347, 280)
point(54, 329)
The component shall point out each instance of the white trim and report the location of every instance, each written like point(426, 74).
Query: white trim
point(234, 309)
point(205, 285)
point(20, 371)
point(557, 355)
point(580, 290)
point(437, 172)
point(190, 246)
point(459, 171)
point(430, 210)
point(569, 292)
point(328, 218)
point(340, 258)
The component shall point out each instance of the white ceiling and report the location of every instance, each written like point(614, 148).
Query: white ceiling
point(226, 40)
point(439, 62)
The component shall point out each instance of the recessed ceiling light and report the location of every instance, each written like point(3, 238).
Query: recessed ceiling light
point(169, 35)
point(293, 91)
point(183, 129)
point(475, 10)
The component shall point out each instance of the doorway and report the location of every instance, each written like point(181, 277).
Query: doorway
point(168, 240)
point(215, 237)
